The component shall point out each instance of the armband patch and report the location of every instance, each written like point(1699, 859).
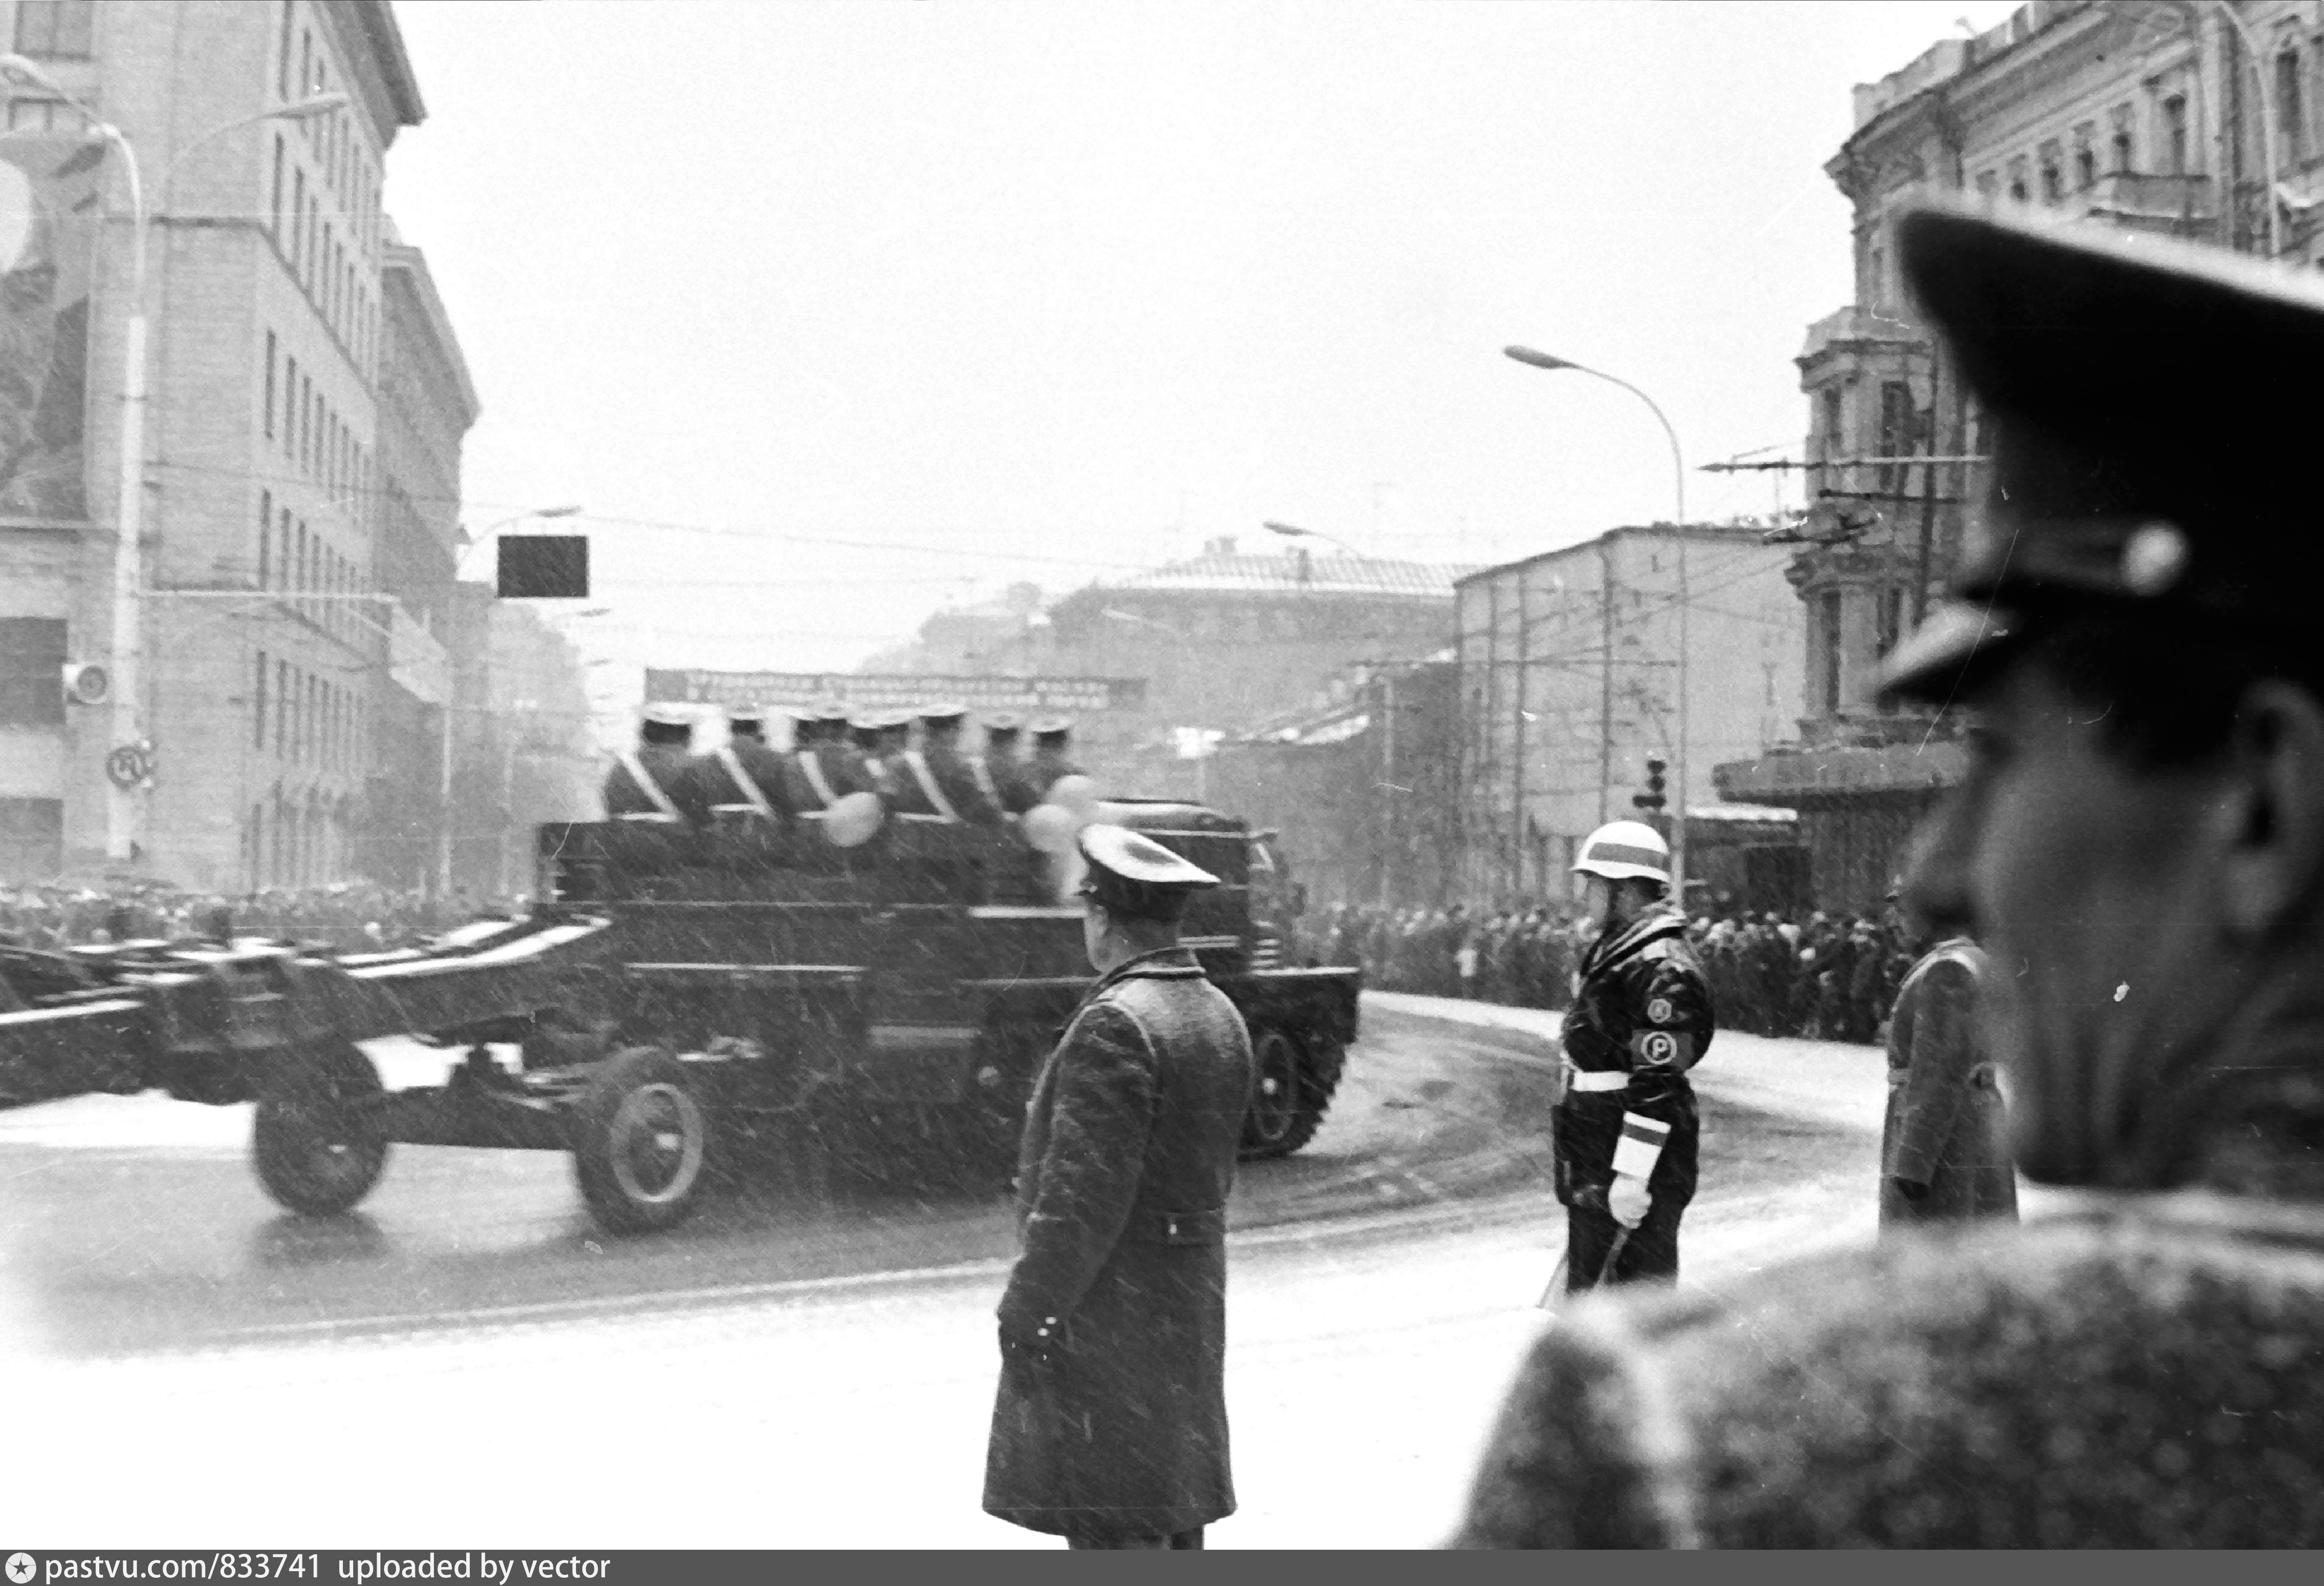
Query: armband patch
point(1663, 1046)
point(1640, 1145)
point(1661, 1011)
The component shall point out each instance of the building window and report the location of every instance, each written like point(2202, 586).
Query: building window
point(2123, 150)
point(290, 395)
point(269, 385)
point(58, 29)
point(32, 664)
point(258, 715)
point(1828, 634)
point(2174, 134)
point(2086, 160)
point(2290, 120)
point(1988, 187)
point(1832, 441)
point(1888, 619)
point(2019, 193)
point(265, 531)
point(281, 707)
point(42, 116)
point(2053, 173)
point(1898, 431)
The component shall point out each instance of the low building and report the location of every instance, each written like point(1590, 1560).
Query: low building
point(1570, 664)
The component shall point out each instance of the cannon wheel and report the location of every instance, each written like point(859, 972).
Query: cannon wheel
point(1276, 1125)
point(317, 1141)
point(641, 1141)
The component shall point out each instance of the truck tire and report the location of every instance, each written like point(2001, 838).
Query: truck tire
point(641, 1141)
point(1289, 1092)
point(317, 1141)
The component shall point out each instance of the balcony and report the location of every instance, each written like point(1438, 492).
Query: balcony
point(2175, 205)
point(1855, 326)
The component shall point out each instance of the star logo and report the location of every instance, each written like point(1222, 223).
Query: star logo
point(21, 1568)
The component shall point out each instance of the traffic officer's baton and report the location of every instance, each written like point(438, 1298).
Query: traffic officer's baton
point(1613, 1254)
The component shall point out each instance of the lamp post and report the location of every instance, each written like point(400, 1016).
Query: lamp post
point(1292, 531)
point(125, 806)
point(443, 790)
point(1540, 360)
point(1202, 705)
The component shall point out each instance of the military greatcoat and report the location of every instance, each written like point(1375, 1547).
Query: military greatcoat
point(2144, 1370)
point(1127, 1154)
point(1947, 1127)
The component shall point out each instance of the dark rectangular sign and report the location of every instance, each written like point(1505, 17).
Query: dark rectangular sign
point(544, 567)
point(673, 686)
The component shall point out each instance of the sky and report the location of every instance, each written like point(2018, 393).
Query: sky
point(830, 316)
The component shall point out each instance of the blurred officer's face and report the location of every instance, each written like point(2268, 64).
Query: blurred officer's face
point(1597, 901)
point(2115, 899)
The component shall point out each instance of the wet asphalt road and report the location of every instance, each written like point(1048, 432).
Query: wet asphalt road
point(808, 1361)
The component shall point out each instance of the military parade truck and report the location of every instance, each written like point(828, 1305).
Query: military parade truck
point(677, 1000)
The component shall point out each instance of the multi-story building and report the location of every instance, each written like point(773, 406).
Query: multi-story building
point(1570, 664)
point(1223, 642)
point(2196, 119)
point(264, 244)
point(426, 404)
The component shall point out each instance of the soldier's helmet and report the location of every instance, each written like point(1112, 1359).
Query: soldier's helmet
point(1623, 851)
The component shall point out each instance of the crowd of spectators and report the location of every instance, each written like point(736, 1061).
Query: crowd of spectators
point(347, 917)
point(1828, 977)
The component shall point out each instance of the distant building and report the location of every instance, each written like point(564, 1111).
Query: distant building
point(523, 750)
point(1363, 790)
point(1569, 671)
point(2163, 118)
point(426, 404)
point(266, 244)
point(1225, 641)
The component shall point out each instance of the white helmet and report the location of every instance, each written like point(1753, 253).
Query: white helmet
point(1622, 850)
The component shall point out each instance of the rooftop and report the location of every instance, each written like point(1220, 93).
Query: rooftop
point(1223, 569)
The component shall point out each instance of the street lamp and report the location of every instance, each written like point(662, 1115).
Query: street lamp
point(444, 820)
point(1292, 531)
point(1201, 707)
point(124, 807)
point(1540, 360)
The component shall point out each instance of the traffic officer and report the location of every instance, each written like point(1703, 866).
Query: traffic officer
point(1004, 779)
point(819, 755)
point(2137, 842)
point(862, 766)
point(643, 782)
point(1944, 1145)
point(1626, 1129)
point(1109, 1427)
point(1052, 735)
point(743, 771)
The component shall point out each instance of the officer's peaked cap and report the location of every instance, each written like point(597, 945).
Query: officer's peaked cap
point(943, 713)
point(2152, 416)
point(1130, 873)
point(662, 725)
point(1003, 723)
point(1052, 727)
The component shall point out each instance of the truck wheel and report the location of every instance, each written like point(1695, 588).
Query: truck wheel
point(317, 1141)
point(1276, 1125)
point(641, 1137)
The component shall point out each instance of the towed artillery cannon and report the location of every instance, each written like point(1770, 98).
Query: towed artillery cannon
point(676, 998)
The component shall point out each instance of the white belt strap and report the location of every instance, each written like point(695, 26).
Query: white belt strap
point(744, 780)
point(1596, 1079)
point(928, 781)
point(984, 775)
point(646, 784)
point(816, 779)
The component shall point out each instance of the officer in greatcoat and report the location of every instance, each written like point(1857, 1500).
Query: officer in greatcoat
point(1625, 1127)
point(1944, 1145)
point(1004, 767)
point(1050, 760)
point(2137, 842)
point(646, 782)
point(949, 776)
point(1111, 1424)
point(745, 772)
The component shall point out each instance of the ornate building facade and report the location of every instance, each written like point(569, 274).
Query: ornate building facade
point(2196, 119)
